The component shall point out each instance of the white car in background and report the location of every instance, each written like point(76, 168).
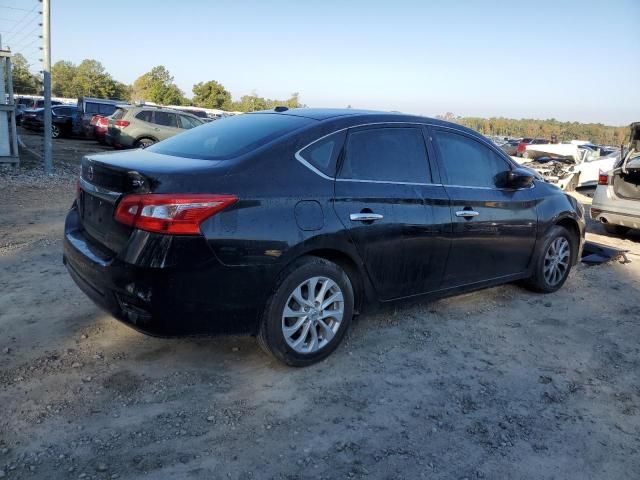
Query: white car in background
point(616, 203)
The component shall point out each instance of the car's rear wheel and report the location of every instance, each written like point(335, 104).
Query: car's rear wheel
point(615, 229)
point(553, 260)
point(144, 142)
point(309, 313)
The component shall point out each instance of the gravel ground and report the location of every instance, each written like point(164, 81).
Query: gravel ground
point(501, 383)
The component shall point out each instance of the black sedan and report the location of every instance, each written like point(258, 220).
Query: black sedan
point(285, 224)
point(62, 118)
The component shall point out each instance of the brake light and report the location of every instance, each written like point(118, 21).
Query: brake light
point(121, 124)
point(177, 214)
point(603, 179)
point(102, 122)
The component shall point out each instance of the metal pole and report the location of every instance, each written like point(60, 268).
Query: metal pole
point(46, 76)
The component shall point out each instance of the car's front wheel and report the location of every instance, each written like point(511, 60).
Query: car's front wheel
point(55, 131)
point(309, 313)
point(553, 260)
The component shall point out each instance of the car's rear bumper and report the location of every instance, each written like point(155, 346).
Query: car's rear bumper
point(178, 299)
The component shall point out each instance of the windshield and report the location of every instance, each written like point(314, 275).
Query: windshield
point(230, 137)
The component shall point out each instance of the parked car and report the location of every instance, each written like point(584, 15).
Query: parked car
point(34, 103)
point(100, 124)
point(133, 126)
point(88, 107)
point(522, 146)
point(510, 147)
point(20, 109)
point(62, 118)
point(201, 114)
point(286, 223)
point(616, 203)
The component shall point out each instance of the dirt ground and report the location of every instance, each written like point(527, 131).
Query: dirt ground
point(501, 383)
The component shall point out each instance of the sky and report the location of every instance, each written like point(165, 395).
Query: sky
point(563, 59)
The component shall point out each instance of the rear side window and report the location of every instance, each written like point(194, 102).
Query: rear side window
point(468, 162)
point(119, 113)
point(145, 116)
point(323, 153)
point(90, 107)
point(231, 136)
point(386, 154)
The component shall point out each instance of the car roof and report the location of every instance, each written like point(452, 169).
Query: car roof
point(355, 116)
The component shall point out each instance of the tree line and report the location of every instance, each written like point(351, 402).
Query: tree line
point(528, 127)
point(89, 78)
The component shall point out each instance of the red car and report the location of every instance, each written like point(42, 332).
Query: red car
point(522, 146)
point(100, 123)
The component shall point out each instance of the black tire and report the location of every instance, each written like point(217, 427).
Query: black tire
point(615, 229)
point(538, 282)
point(270, 335)
point(144, 142)
point(55, 132)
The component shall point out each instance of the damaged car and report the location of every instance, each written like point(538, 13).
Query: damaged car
point(616, 203)
point(570, 165)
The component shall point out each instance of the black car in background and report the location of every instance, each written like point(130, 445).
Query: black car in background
point(286, 223)
point(62, 120)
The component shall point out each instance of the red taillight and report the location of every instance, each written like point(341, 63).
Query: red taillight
point(121, 124)
point(603, 179)
point(103, 122)
point(177, 214)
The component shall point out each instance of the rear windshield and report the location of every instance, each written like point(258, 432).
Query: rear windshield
point(230, 137)
point(118, 114)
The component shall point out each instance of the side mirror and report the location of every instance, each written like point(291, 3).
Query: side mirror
point(519, 178)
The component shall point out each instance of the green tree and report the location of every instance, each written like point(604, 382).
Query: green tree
point(211, 94)
point(89, 78)
point(23, 80)
point(252, 103)
point(157, 86)
point(62, 75)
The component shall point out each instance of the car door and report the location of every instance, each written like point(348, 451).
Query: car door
point(395, 211)
point(166, 125)
point(494, 228)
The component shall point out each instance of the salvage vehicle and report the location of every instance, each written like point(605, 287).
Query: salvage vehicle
point(141, 126)
point(87, 108)
point(286, 223)
point(571, 166)
point(616, 203)
point(522, 146)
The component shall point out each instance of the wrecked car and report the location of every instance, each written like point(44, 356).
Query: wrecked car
point(572, 165)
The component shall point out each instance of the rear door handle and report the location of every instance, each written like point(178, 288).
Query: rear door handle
point(467, 213)
point(365, 217)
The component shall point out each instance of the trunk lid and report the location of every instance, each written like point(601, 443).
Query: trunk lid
point(106, 178)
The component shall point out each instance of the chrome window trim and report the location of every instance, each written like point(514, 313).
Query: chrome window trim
point(321, 174)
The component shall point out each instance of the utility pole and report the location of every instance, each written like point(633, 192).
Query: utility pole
point(46, 77)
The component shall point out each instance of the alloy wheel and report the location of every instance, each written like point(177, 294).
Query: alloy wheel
point(556, 260)
point(313, 314)
point(55, 131)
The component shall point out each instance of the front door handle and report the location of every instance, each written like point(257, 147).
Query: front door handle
point(467, 213)
point(365, 217)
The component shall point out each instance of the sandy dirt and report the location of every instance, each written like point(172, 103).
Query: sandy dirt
point(501, 383)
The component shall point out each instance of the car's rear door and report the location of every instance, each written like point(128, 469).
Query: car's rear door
point(396, 213)
point(494, 228)
point(166, 125)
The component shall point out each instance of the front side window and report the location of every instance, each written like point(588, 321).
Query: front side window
point(468, 162)
point(187, 122)
point(386, 154)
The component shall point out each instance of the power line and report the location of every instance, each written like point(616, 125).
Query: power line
point(23, 37)
point(13, 8)
point(29, 12)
